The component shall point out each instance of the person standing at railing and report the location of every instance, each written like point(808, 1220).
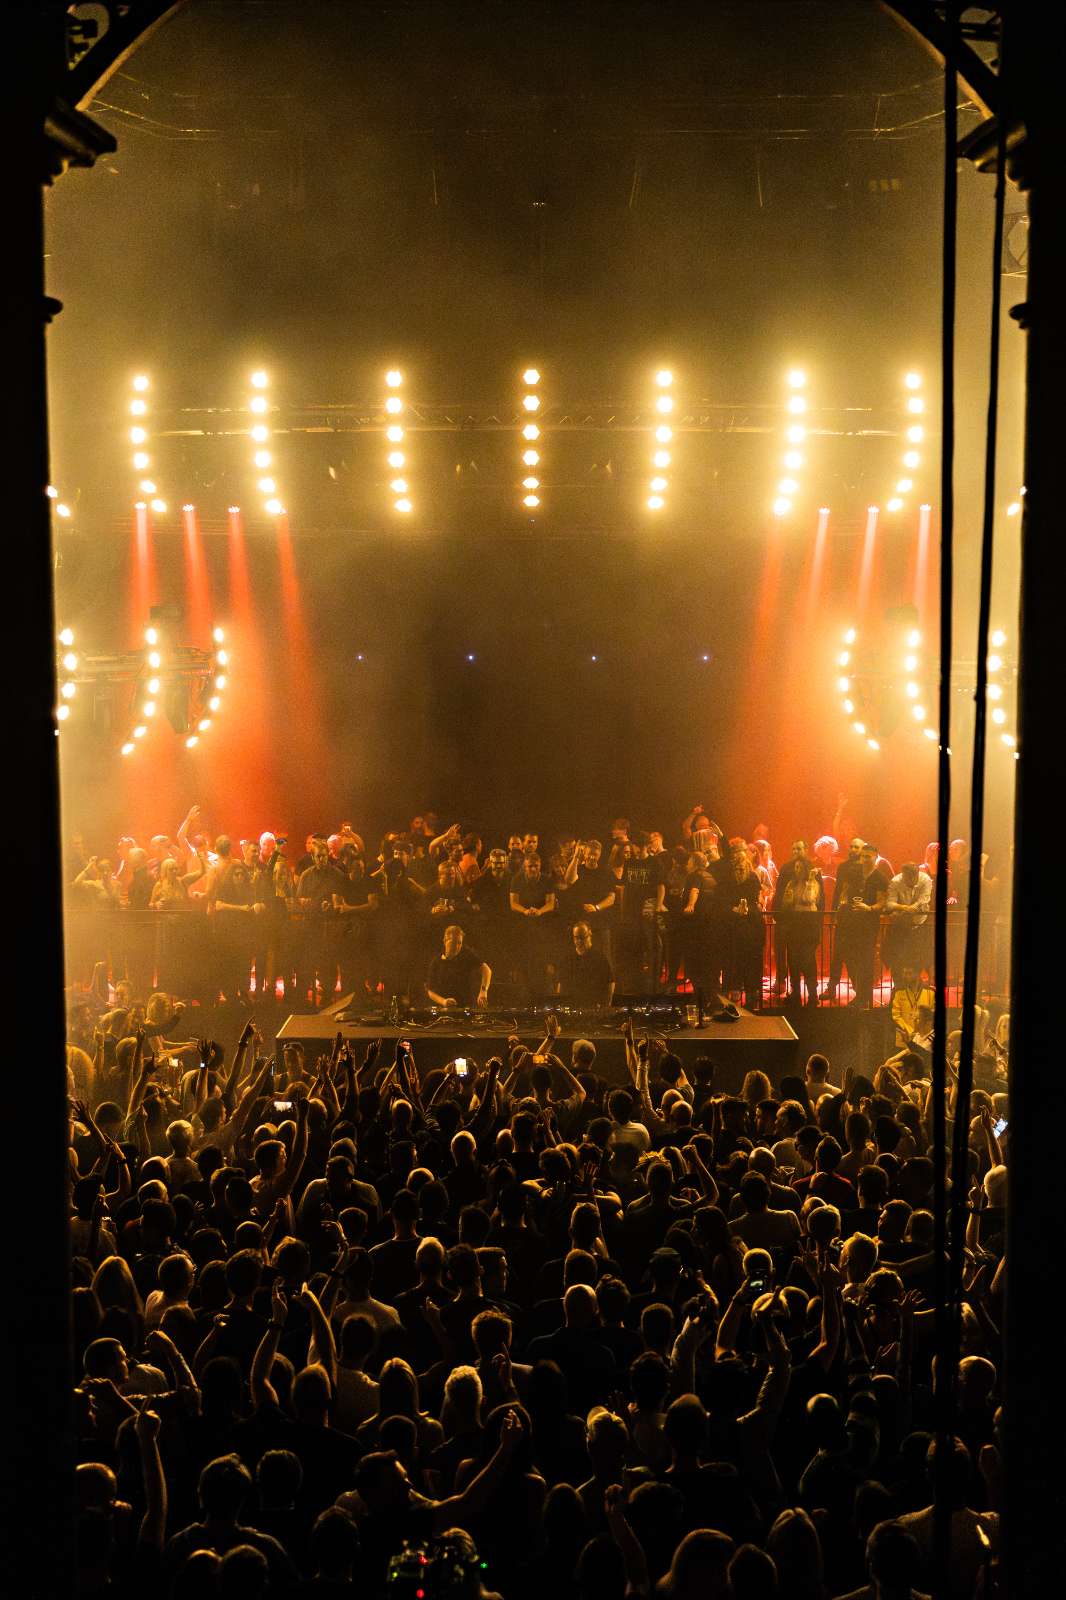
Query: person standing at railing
point(798, 907)
point(866, 907)
point(849, 883)
point(907, 909)
point(737, 902)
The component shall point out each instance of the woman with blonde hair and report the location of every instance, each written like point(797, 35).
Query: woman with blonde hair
point(170, 892)
point(113, 1285)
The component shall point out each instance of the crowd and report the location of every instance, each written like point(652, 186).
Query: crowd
point(574, 923)
point(341, 1326)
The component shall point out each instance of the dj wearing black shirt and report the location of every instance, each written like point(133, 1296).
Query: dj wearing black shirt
point(587, 979)
point(458, 977)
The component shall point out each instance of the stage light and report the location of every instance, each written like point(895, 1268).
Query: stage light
point(843, 684)
point(153, 685)
point(916, 405)
point(850, 636)
point(260, 432)
point(138, 408)
point(191, 742)
point(128, 749)
point(911, 459)
point(916, 433)
point(141, 459)
point(794, 459)
point(203, 724)
point(1007, 738)
point(66, 636)
point(471, 657)
point(531, 376)
point(797, 405)
point(594, 658)
point(140, 505)
point(796, 433)
point(913, 380)
point(999, 716)
point(910, 663)
point(398, 485)
point(782, 507)
point(147, 486)
point(531, 483)
point(139, 731)
point(158, 506)
point(396, 458)
point(664, 379)
point(531, 501)
point(266, 486)
point(999, 638)
point(393, 378)
point(912, 691)
point(258, 404)
point(394, 405)
point(220, 681)
point(904, 486)
point(664, 404)
point(62, 713)
point(658, 485)
point(140, 383)
point(259, 380)
point(873, 744)
point(844, 657)
point(531, 431)
point(661, 458)
point(148, 709)
point(188, 506)
point(849, 706)
point(218, 634)
point(797, 380)
point(234, 511)
point(914, 639)
point(531, 457)
point(394, 434)
point(930, 733)
point(655, 502)
point(403, 505)
point(52, 492)
point(68, 690)
point(151, 636)
point(895, 504)
point(860, 727)
point(531, 402)
point(918, 713)
point(274, 507)
point(995, 691)
point(995, 663)
point(138, 435)
point(222, 657)
point(787, 486)
point(1014, 508)
point(705, 658)
point(70, 661)
point(214, 702)
point(155, 659)
point(262, 459)
point(62, 510)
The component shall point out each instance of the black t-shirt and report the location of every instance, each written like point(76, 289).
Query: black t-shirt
point(706, 886)
point(320, 883)
point(531, 892)
point(586, 978)
point(731, 892)
point(490, 896)
point(592, 886)
point(848, 885)
point(456, 977)
point(640, 881)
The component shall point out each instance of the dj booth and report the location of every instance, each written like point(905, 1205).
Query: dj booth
point(438, 1035)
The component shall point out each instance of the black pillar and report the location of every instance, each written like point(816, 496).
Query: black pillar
point(1036, 1413)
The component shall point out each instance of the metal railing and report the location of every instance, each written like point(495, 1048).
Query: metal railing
point(196, 955)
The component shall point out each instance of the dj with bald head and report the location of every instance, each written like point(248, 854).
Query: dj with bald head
point(458, 977)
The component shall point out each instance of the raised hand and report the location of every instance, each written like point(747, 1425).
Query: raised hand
point(279, 1305)
point(146, 1426)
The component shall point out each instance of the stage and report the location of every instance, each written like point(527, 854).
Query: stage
point(767, 1043)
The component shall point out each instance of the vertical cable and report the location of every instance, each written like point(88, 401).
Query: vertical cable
point(960, 1175)
point(943, 1320)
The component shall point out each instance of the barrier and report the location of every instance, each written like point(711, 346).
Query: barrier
point(191, 953)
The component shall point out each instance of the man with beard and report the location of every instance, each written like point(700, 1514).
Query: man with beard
point(848, 884)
